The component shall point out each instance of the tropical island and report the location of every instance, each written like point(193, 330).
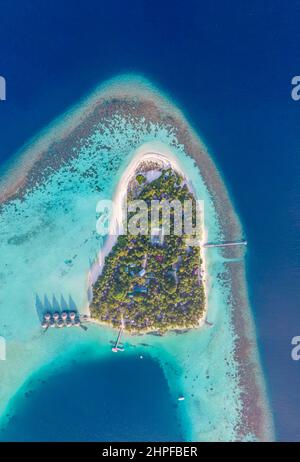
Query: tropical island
point(48, 199)
point(153, 281)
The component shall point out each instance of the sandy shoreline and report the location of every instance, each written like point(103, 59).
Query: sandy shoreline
point(150, 152)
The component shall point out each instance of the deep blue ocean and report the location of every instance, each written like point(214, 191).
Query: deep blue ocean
point(229, 66)
point(86, 402)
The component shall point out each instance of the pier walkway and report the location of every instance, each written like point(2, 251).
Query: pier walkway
point(117, 346)
point(224, 244)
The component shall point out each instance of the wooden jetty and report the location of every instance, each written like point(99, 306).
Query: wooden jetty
point(224, 244)
point(117, 346)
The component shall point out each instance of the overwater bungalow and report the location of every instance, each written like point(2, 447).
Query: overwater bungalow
point(59, 320)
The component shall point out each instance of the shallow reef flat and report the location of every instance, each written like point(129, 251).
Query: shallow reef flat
point(49, 244)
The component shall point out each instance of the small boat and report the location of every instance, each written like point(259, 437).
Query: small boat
point(116, 349)
point(181, 398)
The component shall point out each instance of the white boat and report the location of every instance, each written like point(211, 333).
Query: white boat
point(181, 398)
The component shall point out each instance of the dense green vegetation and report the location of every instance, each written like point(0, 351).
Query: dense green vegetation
point(152, 286)
point(140, 178)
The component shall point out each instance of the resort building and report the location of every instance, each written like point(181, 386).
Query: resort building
point(157, 236)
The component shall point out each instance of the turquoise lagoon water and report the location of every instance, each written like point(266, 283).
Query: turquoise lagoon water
point(48, 244)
